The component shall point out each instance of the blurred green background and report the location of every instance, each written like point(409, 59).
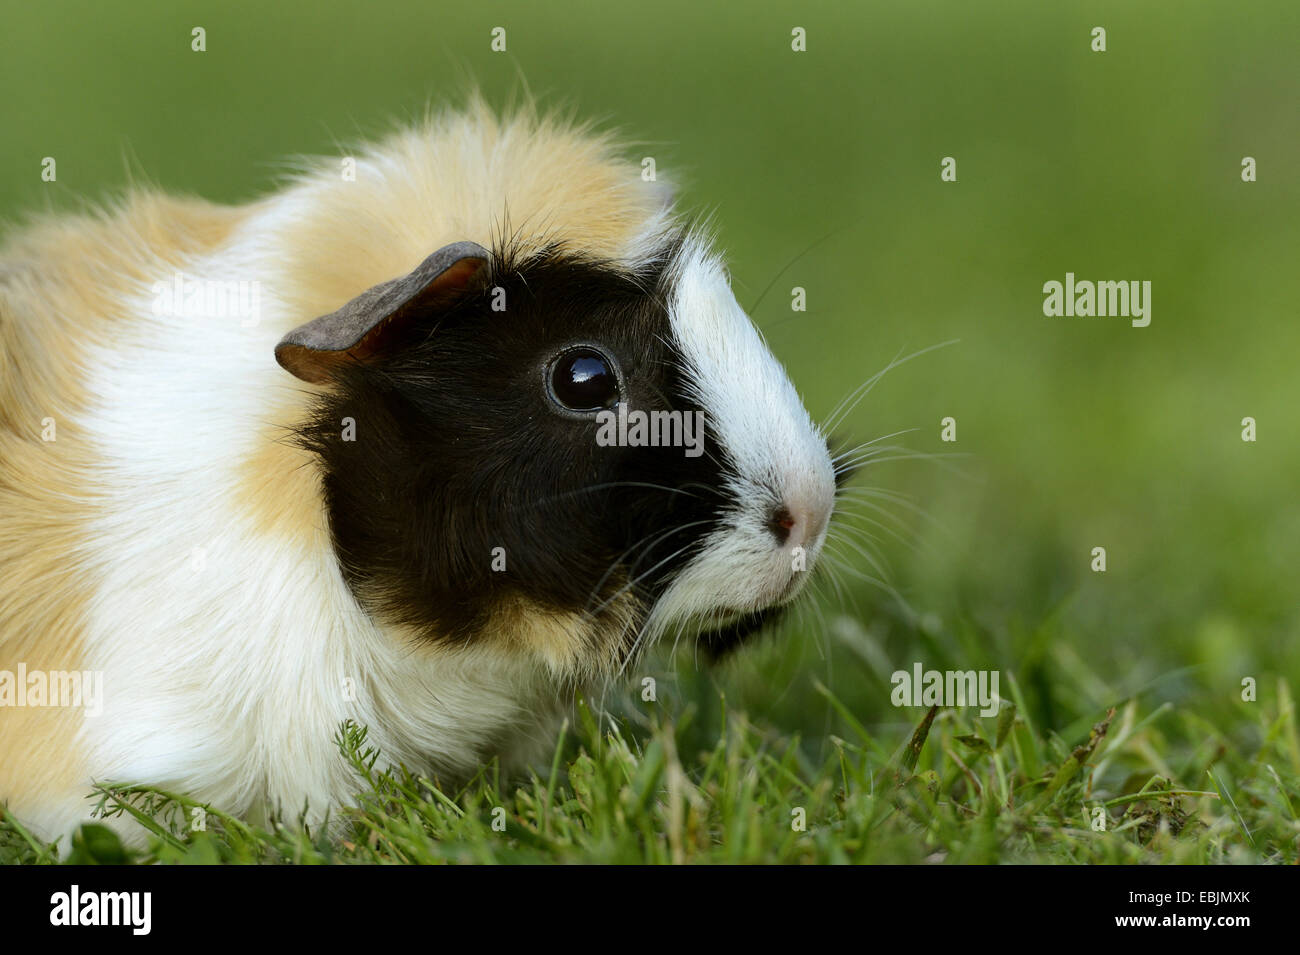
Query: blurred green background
point(1077, 432)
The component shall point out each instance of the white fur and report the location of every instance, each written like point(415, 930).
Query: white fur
point(779, 457)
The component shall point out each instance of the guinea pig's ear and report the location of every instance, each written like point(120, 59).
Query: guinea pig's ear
point(313, 351)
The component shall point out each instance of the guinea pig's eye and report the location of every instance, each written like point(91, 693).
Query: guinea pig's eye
point(583, 379)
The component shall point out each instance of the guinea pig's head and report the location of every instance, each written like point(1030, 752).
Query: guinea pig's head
point(562, 453)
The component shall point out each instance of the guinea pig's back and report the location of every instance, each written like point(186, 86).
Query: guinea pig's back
point(63, 288)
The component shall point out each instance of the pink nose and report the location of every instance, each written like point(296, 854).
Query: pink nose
point(796, 525)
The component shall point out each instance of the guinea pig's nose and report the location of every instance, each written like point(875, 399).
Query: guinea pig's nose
point(780, 523)
point(795, 524)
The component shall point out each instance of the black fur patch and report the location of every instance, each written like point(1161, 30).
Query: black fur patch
point(723, 641)
point(459, 450)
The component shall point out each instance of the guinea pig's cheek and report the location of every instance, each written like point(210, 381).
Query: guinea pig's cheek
point(739, 570)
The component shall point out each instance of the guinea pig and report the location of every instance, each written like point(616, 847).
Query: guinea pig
point(431, 439)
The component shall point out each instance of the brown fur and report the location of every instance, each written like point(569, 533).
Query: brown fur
point(59, 285)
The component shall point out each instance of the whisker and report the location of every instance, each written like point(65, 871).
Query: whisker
point(867, 444)
point(618, 562)
point(636, 580)
point(841, 410)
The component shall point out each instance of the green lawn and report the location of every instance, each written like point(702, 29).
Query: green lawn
point(707, 784)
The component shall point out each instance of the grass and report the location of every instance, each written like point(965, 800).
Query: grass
point(703, 783)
